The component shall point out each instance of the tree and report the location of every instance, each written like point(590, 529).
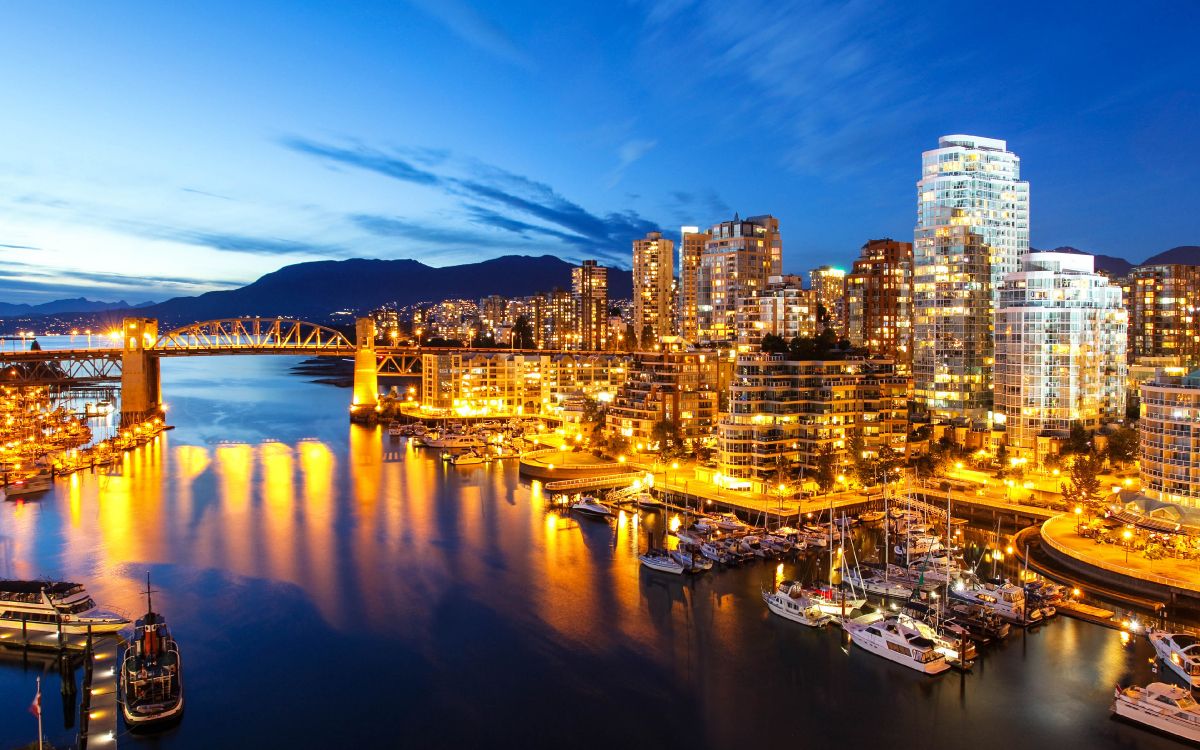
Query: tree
point(648, 339)
point(1080, 440)
point(1122, 445)
point(522, 334)
point(629, 340)
point(668, 435)
point(1083, 485)
point(826, 468)
point(618, 445)
point(773, 344)
point(593, 410)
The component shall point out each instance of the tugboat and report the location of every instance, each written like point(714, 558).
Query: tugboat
point(151, 672)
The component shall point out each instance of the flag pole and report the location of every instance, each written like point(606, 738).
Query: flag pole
point(39, 710)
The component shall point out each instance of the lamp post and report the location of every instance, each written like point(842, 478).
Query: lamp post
point(1128, 536)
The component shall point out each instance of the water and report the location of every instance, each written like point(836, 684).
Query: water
point(332, 588)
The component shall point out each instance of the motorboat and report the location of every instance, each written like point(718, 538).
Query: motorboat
point(897, 639)
point(730, 522)
point(716, 552)
point(874, 582)
point(395, 430)
point(468, 459)
point(983, 625)
point(753, 545)
point(151, 672)
point(453, 441)
point(689, 536)
point(646, 500)
point(1168, 708)
point(1180, 652)
point(51, 606)
point(28, 485)
point(922, 544)
point(657, 559)
point(790, 601)
point(590, 506)
point(1006, 600)
point(871, 516)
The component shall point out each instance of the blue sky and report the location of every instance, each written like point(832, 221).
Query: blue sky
point(153, 149)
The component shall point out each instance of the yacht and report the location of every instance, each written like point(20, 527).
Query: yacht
point(871, 516)
point(33, 484)
point(874, 582)
point(1167, 708)
point(395, 430)
point(590, 506)
point(657, 559)
point(790, 601)
point(453, 441)
point(1006, 600)
point(729, 522)
point(1180, 652)
point(47, 606)
point(151, 672)
point(691, 559)
point(919, 545)
point(897, 639)
point(646, 500)
point(468, 459)
point(716, 552)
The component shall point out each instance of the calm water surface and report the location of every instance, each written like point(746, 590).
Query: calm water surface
point(332, 588)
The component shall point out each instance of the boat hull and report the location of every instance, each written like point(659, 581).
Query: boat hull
point(810, 616)
point(868, 644)
point(1130, 711)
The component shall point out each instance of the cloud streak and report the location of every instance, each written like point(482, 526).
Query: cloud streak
point(473, 28)
point(496, 198)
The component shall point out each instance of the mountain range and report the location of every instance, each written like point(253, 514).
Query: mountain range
point(72, 305)
point(313, 290)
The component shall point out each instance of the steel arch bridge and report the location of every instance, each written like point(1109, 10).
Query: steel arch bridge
point(253, 336)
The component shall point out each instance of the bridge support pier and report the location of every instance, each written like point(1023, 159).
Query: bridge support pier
point(366, 374)
point(141, 384)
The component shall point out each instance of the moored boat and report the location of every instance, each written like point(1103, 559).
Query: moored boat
point(1180, 652)
point(48, 606)
point(791, 602)
point(590, 506)
point(151, 672)
point(1167, 708)
point(897, 640)
point(657, 559)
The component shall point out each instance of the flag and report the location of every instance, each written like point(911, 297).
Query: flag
point(35, 708)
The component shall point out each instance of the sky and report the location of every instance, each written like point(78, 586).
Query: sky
point(151, 150)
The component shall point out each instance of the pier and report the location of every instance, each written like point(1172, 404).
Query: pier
point(99, 711)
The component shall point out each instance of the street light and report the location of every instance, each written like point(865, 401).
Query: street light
point(1128, 535)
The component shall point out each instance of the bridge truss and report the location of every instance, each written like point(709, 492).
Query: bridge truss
point(60, 367)
point(253, 336)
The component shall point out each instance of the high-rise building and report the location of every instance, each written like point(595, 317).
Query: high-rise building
point(1164, 312)
point(677, 387)
point(589, 291)
point(653, 277)
point(972, 231)
point(739, 256)
point(785, 411)
point(1060, 352)
point(879, 301)
point(785, 309)
point(1169, 448)
point(691, 249)
point(829, 287)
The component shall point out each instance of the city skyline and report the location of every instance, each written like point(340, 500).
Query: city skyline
point(201, 179)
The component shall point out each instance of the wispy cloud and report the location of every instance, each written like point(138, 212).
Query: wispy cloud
point(473, 28)
point(19, 247)
point(628, 153)
point(497, 198)
point(35, 283)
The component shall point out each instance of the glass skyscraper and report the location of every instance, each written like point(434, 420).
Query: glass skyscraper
point(972, 230)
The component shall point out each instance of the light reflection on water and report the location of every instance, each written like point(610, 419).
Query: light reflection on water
point(299, 572)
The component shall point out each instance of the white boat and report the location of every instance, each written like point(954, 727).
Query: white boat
point(897, 639)
point(716, 553)
point(468, 459)
point(871, 516)
point(790, 601)
point(729, 522)
point(923, 544)
point(689, 536)
point(28, 485)
point(834, 601)
point(1006, 600)
point(1180, 652)
point(1167, 708)
point(453, 441)
point(659, 560)
point(47, 606)
point(395, 430)
point(646, 500)
point(590, 506)
point(876, 583)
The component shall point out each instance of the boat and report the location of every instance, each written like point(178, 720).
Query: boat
point(875, 582)
point(983, 625)
point(48, 606)
point(1006, 600)
point(923, 544)
point(1170, 709)
point(151, 672)
point(657, 559)
point(691, 560)
point(689, 536)
point(835, 601)
point(468, 459)
point(790, 601)
point(729, 522)
point(590, 506)
point(897, 639)
point(871, 516)
point(32, 484)
point(395, 430)
point(646, 500)
point(452, 441)
point(1180, 652)
point(716, 552)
